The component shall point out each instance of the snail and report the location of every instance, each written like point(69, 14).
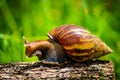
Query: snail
point(67, 42)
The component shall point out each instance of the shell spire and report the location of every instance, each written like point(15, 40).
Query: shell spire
point(101, 48)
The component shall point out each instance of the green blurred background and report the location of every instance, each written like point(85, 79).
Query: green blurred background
point(34, 18)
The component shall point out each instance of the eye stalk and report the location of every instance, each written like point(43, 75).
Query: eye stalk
point(25, 40)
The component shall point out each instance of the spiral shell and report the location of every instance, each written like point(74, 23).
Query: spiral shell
point(78, 43)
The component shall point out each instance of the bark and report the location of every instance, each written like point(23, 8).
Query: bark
point(90, 70)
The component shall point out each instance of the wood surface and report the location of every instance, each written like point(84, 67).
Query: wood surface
point(90, 70)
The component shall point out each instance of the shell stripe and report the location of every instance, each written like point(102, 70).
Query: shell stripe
point(86, 52)
point(75, 31)
point(79, 53)
point(59, 31)
point(79, 46)
point(79, 59)
point(70, 35)
point(83, 56)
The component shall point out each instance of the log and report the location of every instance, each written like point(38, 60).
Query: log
point(90, 70)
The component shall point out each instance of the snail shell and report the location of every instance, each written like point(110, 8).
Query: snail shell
point(78, 43)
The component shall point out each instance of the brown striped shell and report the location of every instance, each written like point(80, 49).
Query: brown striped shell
point(78, 43)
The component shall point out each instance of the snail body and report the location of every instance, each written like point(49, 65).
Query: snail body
point(48, 51)
point(72, 41)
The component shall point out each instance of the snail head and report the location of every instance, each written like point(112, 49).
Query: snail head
point(30, 49)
